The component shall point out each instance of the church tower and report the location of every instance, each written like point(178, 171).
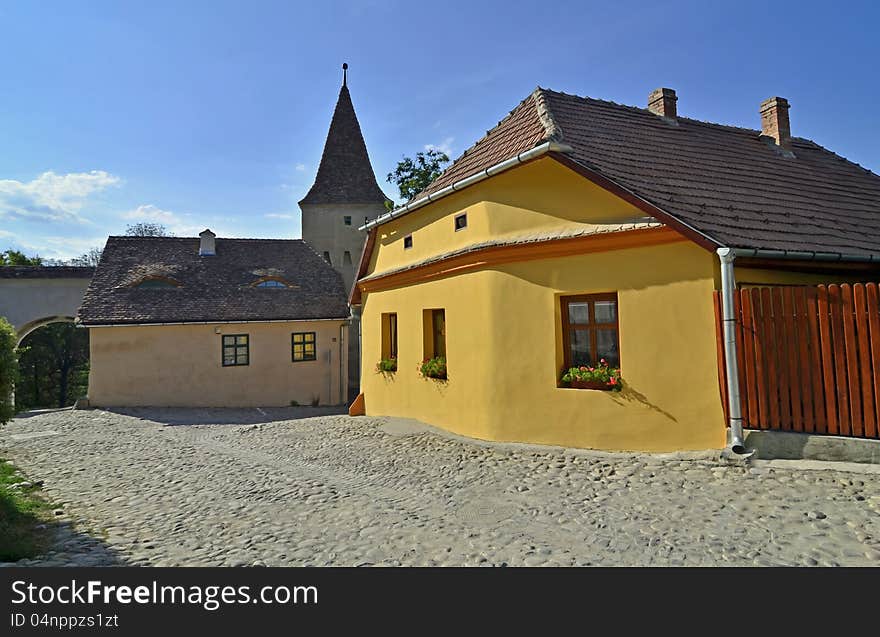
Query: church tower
point(344, 194)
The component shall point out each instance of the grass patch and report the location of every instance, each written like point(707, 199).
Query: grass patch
point(22, 511)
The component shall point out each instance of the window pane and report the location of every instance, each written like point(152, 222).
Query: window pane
point(606, 342)
point(579, 351)
point(241, 340)
point(228, 351)
point(606, 311)
point(241, 358)
point(297, 338)
point(310, 350)
point(228, 340)
point(298, 348)
point(310, 337)
point(579, 312)
point(229, 360)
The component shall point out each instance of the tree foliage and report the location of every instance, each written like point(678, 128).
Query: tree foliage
point(147, 229)
point(89, 259)
point(412, 176)
point(8, 370)
point(14, 257)
point(53, 367)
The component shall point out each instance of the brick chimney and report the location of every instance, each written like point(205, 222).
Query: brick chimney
point(661, 102)
point(206, 245)
point(774, 121)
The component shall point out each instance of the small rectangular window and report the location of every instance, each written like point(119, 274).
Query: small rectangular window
point(236, 350)
point(590, 329)
point(303, 346)
point(461, 221)
point(434, 326)
point(347, 220)
point(327, 257)
point(389, 335)
point(407, 242)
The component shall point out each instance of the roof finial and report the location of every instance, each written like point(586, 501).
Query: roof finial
point(344, 73)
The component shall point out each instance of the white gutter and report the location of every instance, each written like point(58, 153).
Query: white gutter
point(728, 284)
point(525, 156)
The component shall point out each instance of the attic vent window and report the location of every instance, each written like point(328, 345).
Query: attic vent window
point(275, 282)
point(461, 221)
point(407, 242)
point(156, 282)
point(347, 220)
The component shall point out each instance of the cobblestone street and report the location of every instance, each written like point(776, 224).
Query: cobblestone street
point(265, 488)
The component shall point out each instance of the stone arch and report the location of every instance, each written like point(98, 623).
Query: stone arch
point(36, 324)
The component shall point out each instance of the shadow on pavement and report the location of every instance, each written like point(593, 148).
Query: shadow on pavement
point(225, 416)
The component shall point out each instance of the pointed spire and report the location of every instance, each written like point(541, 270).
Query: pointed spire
point(345, 174)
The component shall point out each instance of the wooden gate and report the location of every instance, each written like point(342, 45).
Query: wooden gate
point(808, 358)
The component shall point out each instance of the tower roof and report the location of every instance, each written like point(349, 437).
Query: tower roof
point(345, 174)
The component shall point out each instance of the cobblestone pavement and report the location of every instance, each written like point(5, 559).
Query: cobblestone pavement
point(147, 487)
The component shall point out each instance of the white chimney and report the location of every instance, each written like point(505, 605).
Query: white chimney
point(206, 245)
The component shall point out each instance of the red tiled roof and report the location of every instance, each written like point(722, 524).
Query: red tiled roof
point(728, 183)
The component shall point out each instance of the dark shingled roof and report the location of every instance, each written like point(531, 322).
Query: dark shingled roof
point(211, 288)
point(45, 272)
point(345, 174)
point(728, 183)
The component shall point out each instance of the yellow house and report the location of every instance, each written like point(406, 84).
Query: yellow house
point(578, 230)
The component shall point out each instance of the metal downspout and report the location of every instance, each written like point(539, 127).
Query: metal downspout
point(736, 442)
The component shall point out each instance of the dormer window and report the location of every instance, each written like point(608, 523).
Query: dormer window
point(271, 282)
point(156, 282)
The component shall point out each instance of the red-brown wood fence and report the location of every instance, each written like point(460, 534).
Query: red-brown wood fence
point(809, 358)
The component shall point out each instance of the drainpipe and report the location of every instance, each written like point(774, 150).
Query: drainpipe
point(728, 285)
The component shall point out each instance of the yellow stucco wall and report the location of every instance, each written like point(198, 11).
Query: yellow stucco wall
point(504, 344)
point(507, 205)
point(180, 365)
point(504, 353)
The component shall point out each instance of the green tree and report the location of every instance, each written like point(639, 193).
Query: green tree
point(147, 229)
point(8, 370)
point(53, 366)
point(89, 259)
point(412, 176)
point(14, 257)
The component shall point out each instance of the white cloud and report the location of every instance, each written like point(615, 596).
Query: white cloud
point(278, 215)
point(5, 234)
point(52, 197)
point(300, 167)
point(181, 225)
point(149, 212)
point(444, 147)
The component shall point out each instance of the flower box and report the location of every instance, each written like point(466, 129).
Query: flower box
point(590, 384)
point(600, 376)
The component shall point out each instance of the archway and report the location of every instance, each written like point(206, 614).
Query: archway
point(53, 363)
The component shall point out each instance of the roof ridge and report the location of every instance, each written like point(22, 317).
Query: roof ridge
point(219, 238)
point(545, 114)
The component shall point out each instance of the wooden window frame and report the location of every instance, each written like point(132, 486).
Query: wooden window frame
point(592, 327)
point(389, 335)
point(462, 217)
point(408, 242)
point(304, 342)
point(237, 347)
point(429, 334)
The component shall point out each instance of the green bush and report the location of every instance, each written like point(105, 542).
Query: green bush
point(8, 370)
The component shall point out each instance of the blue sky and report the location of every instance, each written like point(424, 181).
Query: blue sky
point(214, 114)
